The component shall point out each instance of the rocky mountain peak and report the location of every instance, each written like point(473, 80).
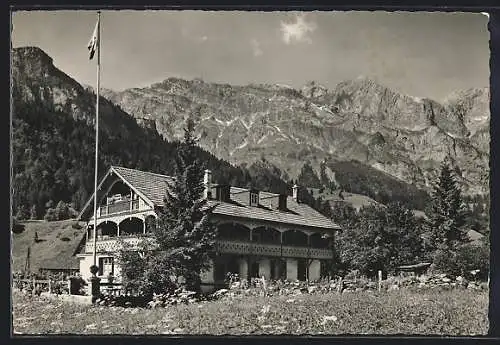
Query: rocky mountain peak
point(31, 61)
point(359, 119)
point(34, 54)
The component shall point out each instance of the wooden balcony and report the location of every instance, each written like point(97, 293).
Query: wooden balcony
point(112, 244)
point(235, 247)
point(226, 247)
point(118, 207)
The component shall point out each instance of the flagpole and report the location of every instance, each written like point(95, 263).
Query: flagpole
point(97, 131)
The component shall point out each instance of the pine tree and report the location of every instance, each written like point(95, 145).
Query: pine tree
point(325, 181)
point(22, 213)
point(184, 232)
point(61, 211)
point(446, 212)
point(33, 213)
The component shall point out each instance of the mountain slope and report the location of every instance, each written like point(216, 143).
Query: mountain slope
point(358, 120)
point(54, 137)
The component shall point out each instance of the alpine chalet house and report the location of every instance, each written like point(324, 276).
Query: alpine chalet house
point(260, 233)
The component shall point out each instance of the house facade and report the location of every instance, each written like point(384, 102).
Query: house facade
point(260, 233)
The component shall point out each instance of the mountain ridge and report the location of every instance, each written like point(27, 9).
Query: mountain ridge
point(244, 123)
point(285, 126)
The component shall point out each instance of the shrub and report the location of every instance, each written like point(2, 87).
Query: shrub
point(50, 215)
point(17, 228)
point(468, 260)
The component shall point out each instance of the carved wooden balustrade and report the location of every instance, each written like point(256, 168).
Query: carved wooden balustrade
point(119, 206)
point(236, 247)
point(112, 244)
point(226, 247)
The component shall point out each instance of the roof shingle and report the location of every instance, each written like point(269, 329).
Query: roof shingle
point(152, 186)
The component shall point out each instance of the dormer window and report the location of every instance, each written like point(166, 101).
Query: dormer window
point(254, 198)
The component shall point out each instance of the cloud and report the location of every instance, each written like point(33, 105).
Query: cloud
point(257, 51)
point(297, 31)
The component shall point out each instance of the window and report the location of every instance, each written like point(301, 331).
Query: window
point(254, 199)
point(106, 266)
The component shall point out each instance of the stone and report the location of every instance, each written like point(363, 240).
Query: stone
point(393, 287)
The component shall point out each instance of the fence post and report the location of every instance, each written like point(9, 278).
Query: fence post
point(379, 280)
point(50, 287)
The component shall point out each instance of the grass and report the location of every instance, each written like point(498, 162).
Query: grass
point(453, 312)
point(57, 243)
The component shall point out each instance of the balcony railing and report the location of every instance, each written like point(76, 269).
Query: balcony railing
point(113, 244)
point(119, 206)
point(234, 247)
point(226, 247)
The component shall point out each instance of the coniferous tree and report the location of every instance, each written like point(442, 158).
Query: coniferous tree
point(307, 177)
point(22, 213)
point(446, 212)
point(184, 233)
point(33, 213)
point(183, 236)
point(325, 181)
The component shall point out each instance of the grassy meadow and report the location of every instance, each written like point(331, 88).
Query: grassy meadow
point(451, 312)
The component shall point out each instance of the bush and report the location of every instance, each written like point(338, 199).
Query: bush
point(50, 215)
point(471, 258)
point(17, 228)
point(468, 260)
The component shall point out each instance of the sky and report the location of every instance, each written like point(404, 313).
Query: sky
point(417, 53)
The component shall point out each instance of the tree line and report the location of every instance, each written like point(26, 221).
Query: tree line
point(385, 237)
point(53, 160)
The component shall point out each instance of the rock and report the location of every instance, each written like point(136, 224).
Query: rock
point(393, 287)
point(311, 289)
point(221, 292)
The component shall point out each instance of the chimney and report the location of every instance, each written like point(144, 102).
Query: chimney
point(282, 202)
point(222, 192)
point(295, 193)
point(207, 181)
point(253, 199)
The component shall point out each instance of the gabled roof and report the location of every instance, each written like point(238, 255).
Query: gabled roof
point(152, 186)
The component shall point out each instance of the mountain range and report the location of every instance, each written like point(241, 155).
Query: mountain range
point(358, 127)
point(403, 136)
